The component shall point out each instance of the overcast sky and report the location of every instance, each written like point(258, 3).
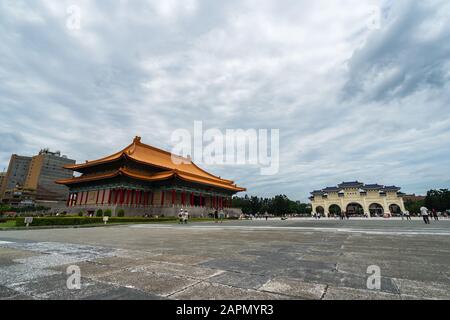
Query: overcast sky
point(356, 95)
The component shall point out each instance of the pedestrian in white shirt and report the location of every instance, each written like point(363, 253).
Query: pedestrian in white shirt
point(424, 213)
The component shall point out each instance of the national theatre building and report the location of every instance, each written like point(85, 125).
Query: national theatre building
point(356, 198)
point(142, 179)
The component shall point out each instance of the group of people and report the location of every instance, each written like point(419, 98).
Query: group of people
point(426, 214)
point(183, 216)
point(219, 216)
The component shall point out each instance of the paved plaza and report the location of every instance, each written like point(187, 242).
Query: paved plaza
point(293, 259)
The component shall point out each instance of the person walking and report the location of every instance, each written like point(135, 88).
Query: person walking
point(407, 215)
point(221, 216)
point(180, 216)
point(424, 213)
point(435, 215)
point(186, 217)
point(216, 216)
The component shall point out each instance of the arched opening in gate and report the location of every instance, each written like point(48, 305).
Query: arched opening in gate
point(334, 210)
point(355, 209)
point(395, 209)
point(376, 210)
point(320, 210)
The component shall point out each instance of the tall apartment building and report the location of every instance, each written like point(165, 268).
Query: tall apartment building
point(2, 180)
point(37, 174)
point(45, 168)
point(16, 174)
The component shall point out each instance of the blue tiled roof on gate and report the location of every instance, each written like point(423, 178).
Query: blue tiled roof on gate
point(356, 185)
point(331, 189)
point(351, 184)
point(391, 188)
point(372, 186)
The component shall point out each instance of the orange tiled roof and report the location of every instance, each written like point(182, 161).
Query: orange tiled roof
point(182, 167)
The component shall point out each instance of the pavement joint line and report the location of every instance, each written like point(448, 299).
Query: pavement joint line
point(185, 288)
point(250, 289)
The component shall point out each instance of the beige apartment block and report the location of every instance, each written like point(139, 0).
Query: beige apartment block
point(356, 198)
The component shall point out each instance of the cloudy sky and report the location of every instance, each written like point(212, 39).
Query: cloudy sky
point(360, 90)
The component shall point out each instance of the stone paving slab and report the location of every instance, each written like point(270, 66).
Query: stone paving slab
point(18, 273)
point(156, 284)
point(215, 291)
point(335, 293)
point(90, 269)
point(7, 255)
point(54, 287)
point(122, 293)
point(10, 294)
point(179, 258)
point(294, 287)
point(423, 290)
point(242, 280)
point(187, 271)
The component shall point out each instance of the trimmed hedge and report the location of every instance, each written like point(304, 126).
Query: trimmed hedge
point(121, 213)
point(67, 221)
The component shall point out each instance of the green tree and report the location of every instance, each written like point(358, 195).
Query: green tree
point(438, 199)
point(99, 213)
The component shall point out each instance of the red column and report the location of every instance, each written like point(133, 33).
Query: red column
point(115, 198)
point(192, 199)
point(173, 196)
point(87, 196)
point(122, 196)
point(98, 193)
point(162, 197)
point(74, 200)
point(103, 196)
point(129, 196)
point(68, 199)
point(138, 197)
point(152, 201)
point(201, 204)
